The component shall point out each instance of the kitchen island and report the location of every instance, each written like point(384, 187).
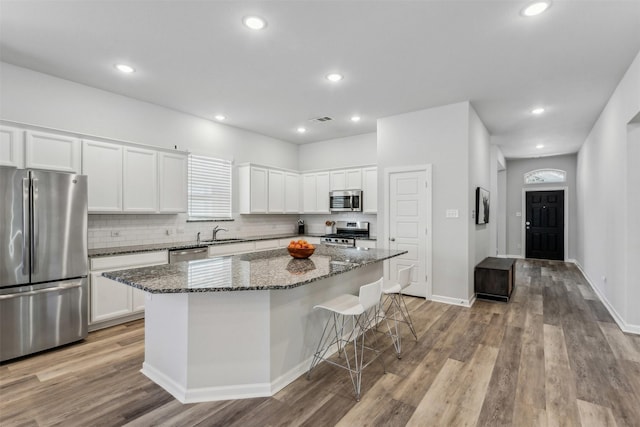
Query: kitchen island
point(241, 326)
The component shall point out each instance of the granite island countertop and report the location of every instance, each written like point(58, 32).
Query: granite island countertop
point(266, 270)
point(133, 249)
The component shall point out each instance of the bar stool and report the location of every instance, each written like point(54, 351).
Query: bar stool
point(362, 311)
point(396, 309)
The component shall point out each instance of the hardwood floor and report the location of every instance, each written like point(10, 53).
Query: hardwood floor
point(551, 356)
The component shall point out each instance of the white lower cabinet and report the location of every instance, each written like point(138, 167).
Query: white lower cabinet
point(112, 302)
point(231, 249)
point(371, 244)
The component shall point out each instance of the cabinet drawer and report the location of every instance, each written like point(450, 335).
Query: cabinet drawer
point(230, 249)
point(115, 262)
point(263, 245)
point(366, 244)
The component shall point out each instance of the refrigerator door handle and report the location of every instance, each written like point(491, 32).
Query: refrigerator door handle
point(34, 226)
point(25, 224)
point(62, 287)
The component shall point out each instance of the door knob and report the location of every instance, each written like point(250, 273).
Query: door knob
point(527, 223)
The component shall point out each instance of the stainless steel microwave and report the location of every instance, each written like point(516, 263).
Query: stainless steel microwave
point(345, 201)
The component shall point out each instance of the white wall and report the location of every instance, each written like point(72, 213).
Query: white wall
point(40, 99)
point(480, 175)
point(441, 137)
point(338, 153)
point(501, 211)
point(633, 231)
point(516, 168)
point(604, 210)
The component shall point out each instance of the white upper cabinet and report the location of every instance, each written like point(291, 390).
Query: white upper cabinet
point(291, 192)
point(11, 147)
point(276, 191)
point(315, 192)
point(253, 189)
point(322, 192)
point(52, 152)
point(140, 180)
point(102, 163)
point(266, 190)
point(370, 190)
point(308, 191)
point(348, 179)
point(172, 174)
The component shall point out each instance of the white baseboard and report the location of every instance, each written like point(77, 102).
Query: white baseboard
point(519, 256)
point(453, 301)
point(624, 326)
point(204, 394)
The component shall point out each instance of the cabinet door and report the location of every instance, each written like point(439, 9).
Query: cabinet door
point(353, 178)
point(137, 300)
point(102, 163)
point(11, 147)
point(322, 192)
point(172, 182)
point(109, 299)
point(370, 190)
point(259, 190)
point(291, 192)
point(140, 180)
point(338, 180)
point(52, 152)
point(276, 191)
point(309, 193)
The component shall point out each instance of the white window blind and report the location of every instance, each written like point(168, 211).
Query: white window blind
point(209, 188)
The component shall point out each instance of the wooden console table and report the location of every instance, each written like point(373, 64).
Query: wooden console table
point(495, 278)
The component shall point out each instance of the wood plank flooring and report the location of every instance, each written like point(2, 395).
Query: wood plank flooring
point(551, 356)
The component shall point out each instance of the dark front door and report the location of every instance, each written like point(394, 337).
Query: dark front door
point(545, 224)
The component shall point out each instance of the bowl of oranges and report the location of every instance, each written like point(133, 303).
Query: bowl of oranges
point(300, 249)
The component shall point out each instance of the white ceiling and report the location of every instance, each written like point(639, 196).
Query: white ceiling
point(396, 56)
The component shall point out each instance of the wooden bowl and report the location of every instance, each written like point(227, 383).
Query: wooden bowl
point(301, 253)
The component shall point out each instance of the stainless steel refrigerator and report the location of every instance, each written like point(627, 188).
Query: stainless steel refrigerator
point(43, 260)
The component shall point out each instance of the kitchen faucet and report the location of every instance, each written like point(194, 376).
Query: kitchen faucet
point(216, 230)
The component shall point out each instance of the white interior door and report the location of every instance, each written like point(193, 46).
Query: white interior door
point(408, 223)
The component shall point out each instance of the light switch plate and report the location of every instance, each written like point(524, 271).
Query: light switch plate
point(452, 213)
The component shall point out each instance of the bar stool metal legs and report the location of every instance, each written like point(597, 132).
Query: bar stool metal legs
point(395, 309)
point(351, 321)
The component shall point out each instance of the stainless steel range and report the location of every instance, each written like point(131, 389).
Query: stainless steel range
point(346, 233)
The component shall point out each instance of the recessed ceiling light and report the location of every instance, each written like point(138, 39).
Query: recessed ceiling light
point(355, 118)
point(301, 130)
point(125, 68)
point(334, 77)
point(539, 146)
point(536, 8)
point(220, 117)
point(254, 22)
point(537, 111)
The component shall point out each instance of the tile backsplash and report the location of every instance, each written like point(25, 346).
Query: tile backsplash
point(107, 231)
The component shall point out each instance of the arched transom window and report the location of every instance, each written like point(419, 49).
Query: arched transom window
point(544, 176)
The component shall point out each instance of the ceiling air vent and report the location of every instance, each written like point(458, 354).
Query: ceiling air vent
point(321, 119)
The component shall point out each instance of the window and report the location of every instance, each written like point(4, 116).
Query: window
point(545, 176)
point(209, 188)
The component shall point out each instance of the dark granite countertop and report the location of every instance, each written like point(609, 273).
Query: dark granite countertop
point(274, 269)
point(123, 250)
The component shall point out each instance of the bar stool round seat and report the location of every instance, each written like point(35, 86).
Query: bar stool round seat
point(361, 311)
